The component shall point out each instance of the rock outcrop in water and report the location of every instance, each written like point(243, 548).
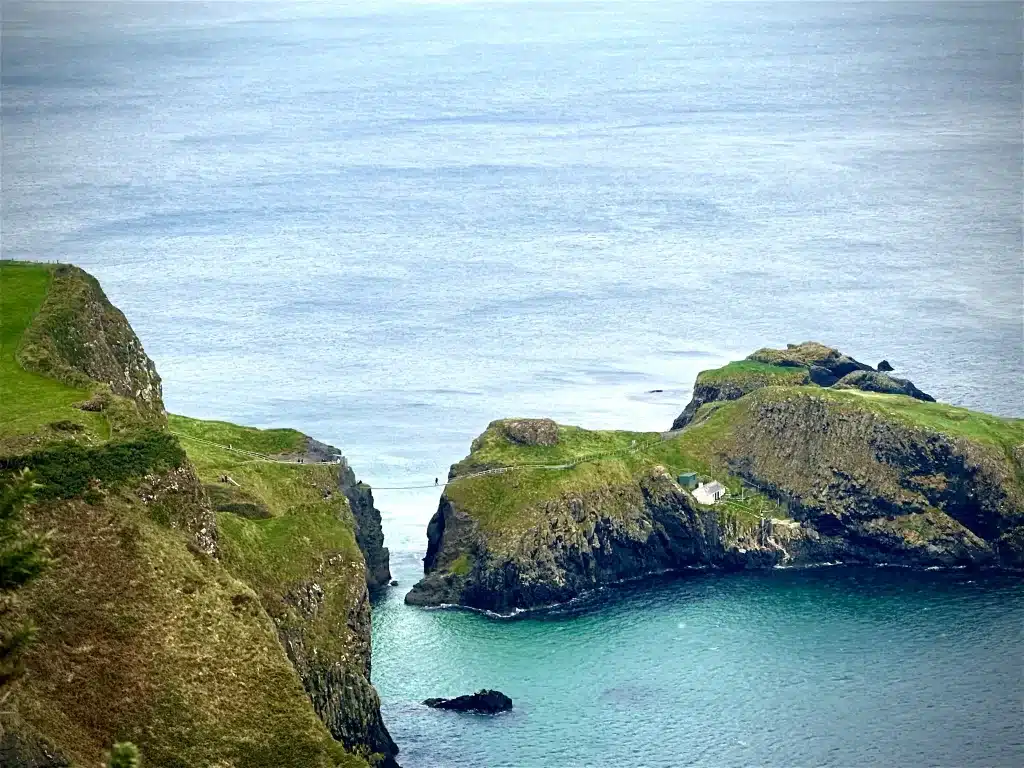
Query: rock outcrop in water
point(486, 702)
point(843, 473)
point(212, 622)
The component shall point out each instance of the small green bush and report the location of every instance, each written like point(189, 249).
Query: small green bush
point(67, 469)
point(124, 755)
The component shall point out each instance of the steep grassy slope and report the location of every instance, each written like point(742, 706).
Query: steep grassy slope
point(287, 529)
point(814, 473)
point(29, 402)
point(144, 632)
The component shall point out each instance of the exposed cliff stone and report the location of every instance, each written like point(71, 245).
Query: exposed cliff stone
point(531, 431)
point(826, 365)
point(338, 686)
point(369, 533)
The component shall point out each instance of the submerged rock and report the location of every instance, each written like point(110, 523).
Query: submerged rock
point(485, 701)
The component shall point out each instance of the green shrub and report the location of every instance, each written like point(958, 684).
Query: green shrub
point(124, 755)
point(66, 470)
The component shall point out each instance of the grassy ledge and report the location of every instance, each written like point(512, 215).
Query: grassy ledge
point(31, 401)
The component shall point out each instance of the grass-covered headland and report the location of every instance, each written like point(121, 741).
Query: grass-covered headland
point(161, 614)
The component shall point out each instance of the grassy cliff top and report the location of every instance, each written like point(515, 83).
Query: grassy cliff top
point(282, 521)
point(950, 420)
point(506, 503)
point(764, 374)
point(62, 344)
point(265, 441)
point(32, 401)
point(601, 461)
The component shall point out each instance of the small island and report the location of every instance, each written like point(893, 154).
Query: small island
point(791, 457)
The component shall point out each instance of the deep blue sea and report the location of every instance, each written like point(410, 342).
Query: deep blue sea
point(386, 224)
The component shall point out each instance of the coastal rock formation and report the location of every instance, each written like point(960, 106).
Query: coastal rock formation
point(531, 431)
point(797, 365)
point(872, 381)
point(885, 367)
point(486, 702)
point(212, 622)
point(369, 533)
point(815, 474)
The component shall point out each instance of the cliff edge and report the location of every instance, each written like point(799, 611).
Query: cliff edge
point(207, 634)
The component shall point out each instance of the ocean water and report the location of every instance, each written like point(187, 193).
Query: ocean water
point(386, 224)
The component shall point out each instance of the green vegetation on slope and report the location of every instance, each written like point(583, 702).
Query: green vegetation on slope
point(937, 417)
point(508, 503)
point(265, 441)
point(308, 523)
point(165, 649)
point(140, 634)
point(29, 401)
point(511, 502)
point(743, 372)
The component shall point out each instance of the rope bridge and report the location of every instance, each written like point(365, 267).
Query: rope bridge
point(254, 456)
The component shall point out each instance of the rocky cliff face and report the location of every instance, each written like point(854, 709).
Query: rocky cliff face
point(338, 683)
point(815, 474)
point(369, 531)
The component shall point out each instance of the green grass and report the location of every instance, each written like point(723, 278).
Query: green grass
point(764, 374)
point(506, 504)
point(937, 417)
point(310, 523)
point(165, 649)
point(28, 401)
point(266, 441)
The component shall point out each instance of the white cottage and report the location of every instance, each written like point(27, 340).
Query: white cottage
point(709, 493)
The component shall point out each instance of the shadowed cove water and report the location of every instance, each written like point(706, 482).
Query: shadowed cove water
point(388, 224)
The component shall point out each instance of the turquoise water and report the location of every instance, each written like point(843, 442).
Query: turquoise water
point(829, 666)
point(387, 223)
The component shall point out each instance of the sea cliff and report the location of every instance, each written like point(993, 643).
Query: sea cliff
point(820, 460)
point(208, 603)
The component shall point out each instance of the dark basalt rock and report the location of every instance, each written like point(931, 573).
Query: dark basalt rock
point(885, 366)
point(485, 701)
point(871, 381)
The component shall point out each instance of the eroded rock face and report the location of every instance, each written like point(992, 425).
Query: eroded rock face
point(339, 688)
point(824, 362)
point(853, 484)
point(487, 702)
point(369, 533)
point(531, 431)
